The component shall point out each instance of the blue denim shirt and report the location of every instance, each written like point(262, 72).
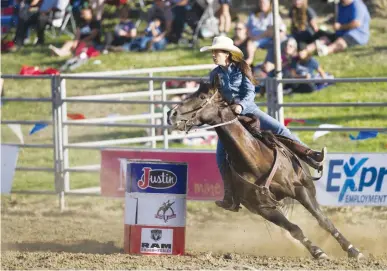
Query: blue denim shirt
point(234, 86)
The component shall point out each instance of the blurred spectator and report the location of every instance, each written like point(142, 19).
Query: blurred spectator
point(288, 51)
point(160, 11)
point(124, 32)
point(153, 38)
point(88, 34)
point(303, 21)
point(351, 29)
point(224, 17)
point(243, 42)
point(304, 68)
point(260, 25)
point(267, 68)
point(38, 13)
point(179, 19)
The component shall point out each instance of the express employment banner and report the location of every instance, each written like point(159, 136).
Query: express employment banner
point(353, 179)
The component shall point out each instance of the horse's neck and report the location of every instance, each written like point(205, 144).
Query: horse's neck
point(240, 145)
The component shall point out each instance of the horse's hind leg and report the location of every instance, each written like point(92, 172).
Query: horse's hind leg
point(308, 200)
point(276, 217)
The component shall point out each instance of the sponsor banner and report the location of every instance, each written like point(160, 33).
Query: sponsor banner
point(204, 180)
point(154, 240)
point(157, 210)
point(353, 179)
point(156, 177)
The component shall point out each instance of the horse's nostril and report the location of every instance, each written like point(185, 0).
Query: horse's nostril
point(175, 114)
point(194, 115)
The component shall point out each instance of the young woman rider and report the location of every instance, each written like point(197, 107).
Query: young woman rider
point(236, 86)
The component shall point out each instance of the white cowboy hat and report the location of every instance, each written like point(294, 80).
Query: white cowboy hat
point(226, 44)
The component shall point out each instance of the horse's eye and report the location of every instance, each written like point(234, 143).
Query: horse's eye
point(202, 97)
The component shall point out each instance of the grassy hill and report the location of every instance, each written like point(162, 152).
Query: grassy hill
point(368, 61)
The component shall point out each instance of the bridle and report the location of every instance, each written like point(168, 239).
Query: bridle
point(196, 110)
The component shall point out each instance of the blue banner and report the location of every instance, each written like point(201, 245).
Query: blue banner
point(353, 179)
point(157, 177)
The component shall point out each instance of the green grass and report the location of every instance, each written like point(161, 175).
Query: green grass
point(368, 61)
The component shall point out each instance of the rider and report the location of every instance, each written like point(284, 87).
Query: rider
point(236, 86)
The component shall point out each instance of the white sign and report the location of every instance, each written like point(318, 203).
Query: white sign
point(161, 211)
point(155, 210)
point(353, 179)
point(157, 241)
point(9, 156)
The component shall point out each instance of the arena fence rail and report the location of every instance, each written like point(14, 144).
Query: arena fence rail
point(59, 100)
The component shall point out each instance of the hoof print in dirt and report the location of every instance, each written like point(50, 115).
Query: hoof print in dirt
point(227, 256)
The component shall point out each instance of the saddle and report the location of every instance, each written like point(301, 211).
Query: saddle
point(252, 124)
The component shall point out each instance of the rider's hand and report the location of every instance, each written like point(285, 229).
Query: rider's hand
point(237, 108)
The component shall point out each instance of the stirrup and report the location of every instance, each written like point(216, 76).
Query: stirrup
point(313, 164)
point(323, 154)
point(313, 161)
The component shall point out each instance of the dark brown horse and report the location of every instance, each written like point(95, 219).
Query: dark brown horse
point(262, 175)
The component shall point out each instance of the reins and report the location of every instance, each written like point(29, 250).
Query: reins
point(197, 110)
point(213, 126)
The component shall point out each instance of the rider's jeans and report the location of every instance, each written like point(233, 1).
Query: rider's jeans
point(266, 123)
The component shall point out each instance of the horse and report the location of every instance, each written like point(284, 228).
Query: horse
point(262, 174)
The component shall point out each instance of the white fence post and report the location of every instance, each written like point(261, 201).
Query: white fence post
point(269, 93)
point(278, 64)
point(65, 137)
point(56, 134)
point(152, 109)
point(165, 111)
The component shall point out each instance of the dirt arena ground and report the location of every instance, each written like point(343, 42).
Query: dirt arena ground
point(89, 235)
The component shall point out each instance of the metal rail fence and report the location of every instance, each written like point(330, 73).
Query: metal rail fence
point(59, 100)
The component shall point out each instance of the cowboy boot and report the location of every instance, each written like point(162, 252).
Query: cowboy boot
point(230, 201)
point(313, 158)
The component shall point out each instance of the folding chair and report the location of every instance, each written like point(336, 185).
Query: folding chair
point(59, 26)
point(206, 21)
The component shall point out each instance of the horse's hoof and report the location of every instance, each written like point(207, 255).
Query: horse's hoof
point(354, 253)
point(323, 256)
point(319, 254)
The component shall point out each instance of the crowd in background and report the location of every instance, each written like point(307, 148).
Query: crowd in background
point(167, 20)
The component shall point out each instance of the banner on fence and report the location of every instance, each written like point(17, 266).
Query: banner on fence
point(204, 183)
point(348, 179)
point(354, 179)
point(9, 155)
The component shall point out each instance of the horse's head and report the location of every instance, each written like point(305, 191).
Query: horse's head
point(202, 107)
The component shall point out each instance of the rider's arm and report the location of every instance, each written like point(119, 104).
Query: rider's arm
point(247, 93)
point(224, 84)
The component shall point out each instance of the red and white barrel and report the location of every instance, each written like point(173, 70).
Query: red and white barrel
point(155, 207)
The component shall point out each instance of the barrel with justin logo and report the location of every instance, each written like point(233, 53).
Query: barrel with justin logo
point(155, 207)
